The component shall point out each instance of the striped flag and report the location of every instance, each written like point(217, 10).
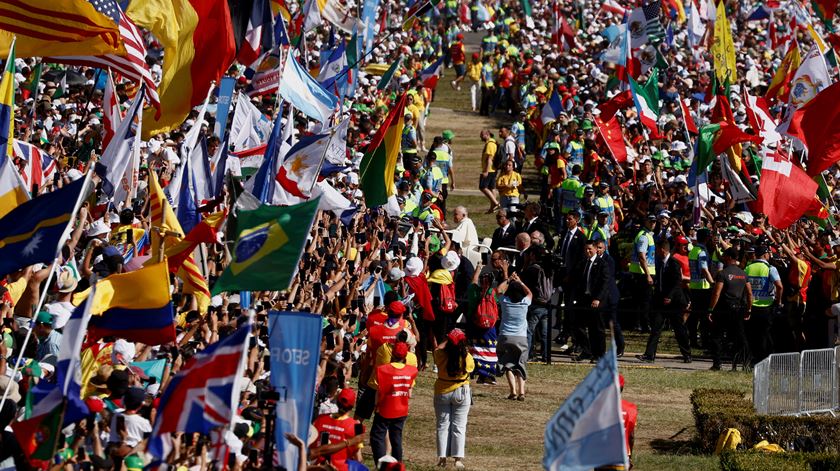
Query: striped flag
point(653, 25)
point(38, 168)
point(111, 116)
point(132, 66)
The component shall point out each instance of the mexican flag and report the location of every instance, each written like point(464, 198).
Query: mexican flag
point(647, 99)
point(268, 247)
point(376, 171)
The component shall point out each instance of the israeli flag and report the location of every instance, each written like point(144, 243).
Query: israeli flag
point(587, 431)
point(304, 92)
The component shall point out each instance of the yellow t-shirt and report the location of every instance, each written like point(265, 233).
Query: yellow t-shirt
point(17, 288)
point(474, 71)
point(446, 383)
point(487, 156)
point(505, 184)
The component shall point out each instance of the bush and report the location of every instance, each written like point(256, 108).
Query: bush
point(716, 410)
point(761, 461)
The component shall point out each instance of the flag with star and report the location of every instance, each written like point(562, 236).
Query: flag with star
point(302, 164)
point(32, 232)
point(268, 247)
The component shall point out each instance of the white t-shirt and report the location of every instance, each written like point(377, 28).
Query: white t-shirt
point(136, 426)
point(61, 311)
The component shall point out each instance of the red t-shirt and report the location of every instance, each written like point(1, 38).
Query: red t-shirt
point(395, 384)
point(382, 334)
point(629, 414)
point(456, 52)
point(376, 317)
point(340, 429)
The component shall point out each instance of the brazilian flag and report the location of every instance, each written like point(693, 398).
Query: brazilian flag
point(268, 247)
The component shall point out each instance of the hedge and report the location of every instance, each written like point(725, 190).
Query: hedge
point(716, 410)
point(762, 461)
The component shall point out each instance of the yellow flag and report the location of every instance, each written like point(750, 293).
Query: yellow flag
point(723, 48)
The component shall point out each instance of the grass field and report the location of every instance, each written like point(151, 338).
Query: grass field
point(508, 435)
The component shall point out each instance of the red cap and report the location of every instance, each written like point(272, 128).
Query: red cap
point(621, 381)
point(95, 404)
point(475, 55)
point(456, 336)
point(459, 36)
point(400, 350)
point(681, 240)
point(396, 307)
point(346, 398)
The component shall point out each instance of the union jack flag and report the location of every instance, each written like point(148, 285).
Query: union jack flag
point(203, 395)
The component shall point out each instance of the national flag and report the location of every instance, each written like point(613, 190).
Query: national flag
point(786, 191)
point(268, 247)
point(334, 11)
point(653, 25)
point(696, 28)
point(187, 209)
point(204, 395)
point(646, 100)
point(304, 92)
point(117, 156)
point(739, 190)
point(135, 306)
point(249, 127)
point(38, 435)
point(252, 29)
point(716, 138)
point(760, 119)
point(637, 27)
point(265, 77)
point(197, 40)
point(162, 216)
point(337, 148)
point(430, 75)
point(811, 77)
point(331, 75)
point(613, 136)
point(376, 170)
point(610, 107)
point(13, 190)
point(32, 232)
point(566, 33)
point(68, 367)
point(111, 116)
point(687, 119)
point(588, 430)
point(32, 171)
point(779, 87)
point(49, 28)
point(817, 125)
point(262, 184)
point(30, 88)
point(612, 6)
point(7, 107)
point(420, 8)
point(332, 200)
point(723, 48)
point(388, 76)
point(203, 232)
point(551, 109)
point(759, 12)
point(302, 163)
point(132, 65)
point(825, 10)
point(627, 66)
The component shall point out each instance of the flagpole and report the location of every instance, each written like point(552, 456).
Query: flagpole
point(321, 161)
point(43, 296)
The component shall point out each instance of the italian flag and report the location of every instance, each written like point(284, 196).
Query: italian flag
point(647, 100)
point(376, 171)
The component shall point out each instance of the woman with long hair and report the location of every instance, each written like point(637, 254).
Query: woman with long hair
point(452, 396)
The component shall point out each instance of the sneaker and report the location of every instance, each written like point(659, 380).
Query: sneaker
point(644, 359)
point(434, 369)
point(452, 84)
point(459, 464)
point(564, 347)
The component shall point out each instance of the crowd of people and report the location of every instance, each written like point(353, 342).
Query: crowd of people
point(589, 245)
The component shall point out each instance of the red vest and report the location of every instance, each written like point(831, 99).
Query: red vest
point(340, 429)
point(394, 389)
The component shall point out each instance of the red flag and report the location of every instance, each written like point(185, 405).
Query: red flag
point(817, 125)
point(786, 191)
point(729, 135)
point(111, 116)
point(613, 137)
point(689, 121)
point(618, 102)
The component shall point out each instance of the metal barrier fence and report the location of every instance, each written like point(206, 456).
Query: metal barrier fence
point(795, 384)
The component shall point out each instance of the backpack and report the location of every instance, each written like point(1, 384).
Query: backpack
point(499, 157)
point(487, 312)
point(447, 298)
point(544, 288)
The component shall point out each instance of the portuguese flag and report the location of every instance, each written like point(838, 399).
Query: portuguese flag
point(377, 167)
point(38, 435)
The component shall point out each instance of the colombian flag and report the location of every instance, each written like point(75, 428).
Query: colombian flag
point(198, 45)
point(7, 107)
point(377, 167)
point(135, 306)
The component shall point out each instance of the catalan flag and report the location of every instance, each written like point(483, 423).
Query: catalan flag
point(65, 28)
point(135, 306)
point(377, 167)
point(205, 231)
point(163, 217)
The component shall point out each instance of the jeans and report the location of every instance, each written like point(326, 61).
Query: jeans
point(451, 411)
point(394, 429)
point(539, 316)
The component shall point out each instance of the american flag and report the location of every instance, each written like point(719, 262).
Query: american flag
point(68, 24)
point(133, 66)
point(653, 25)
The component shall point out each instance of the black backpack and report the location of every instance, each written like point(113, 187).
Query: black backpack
point(499, 156)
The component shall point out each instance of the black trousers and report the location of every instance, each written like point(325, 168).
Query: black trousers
point(592, 330)
point(698, 322)
point(642, 294)
point(674, 314)
point(759, 332)
point(730, 320)
point(394, 429)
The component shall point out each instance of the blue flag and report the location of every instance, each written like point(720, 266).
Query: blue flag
point(31, 233)
point(187, 211)
point(223, 106)
point(263, 187)
point(587, 431)
point(294, 340)
point(304, 92)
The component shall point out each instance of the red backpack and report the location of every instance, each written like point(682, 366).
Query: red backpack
point(487, 313)
point(447, 298)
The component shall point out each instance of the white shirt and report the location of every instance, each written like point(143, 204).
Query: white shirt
point(61, 311)
point(136, 426)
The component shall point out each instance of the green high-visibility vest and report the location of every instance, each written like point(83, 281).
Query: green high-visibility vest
point(763, 290)
point(635, 265)
point(698, 280)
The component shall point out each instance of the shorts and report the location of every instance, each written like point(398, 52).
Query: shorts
point(460, 70)
point(365, 403)
point(488, 182)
